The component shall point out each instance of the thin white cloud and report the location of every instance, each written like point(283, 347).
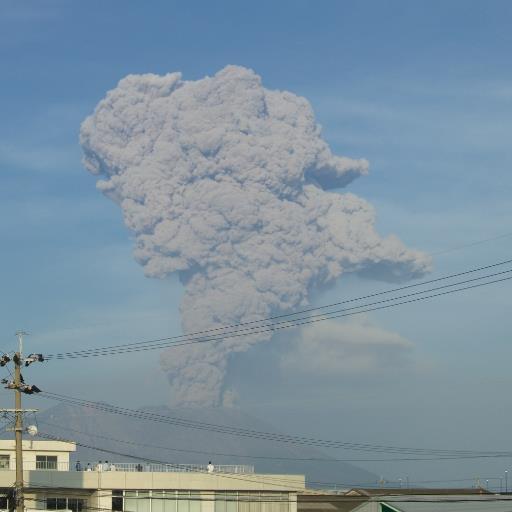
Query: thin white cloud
point(332, 349)
point(39, 158)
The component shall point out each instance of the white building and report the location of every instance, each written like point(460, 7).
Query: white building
point(37, 454)
point(51, 484)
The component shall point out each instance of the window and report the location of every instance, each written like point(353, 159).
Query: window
point(170, 503)
point(275, 502)
point(183, 502)
point(187, 501)
point(130, 501)
point(156, 501)
point(117, 501)
point(46, 462)
point(195, 502)
point(226, 502)
point(137, 501)
point(143, 503)
point(5, 461)
point(251, 502)
point(56, 504)
point(74, 504)
point(4, 503)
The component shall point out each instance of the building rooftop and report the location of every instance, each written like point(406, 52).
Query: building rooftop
point(453, 503)
point(36, 445)
point(400, 491)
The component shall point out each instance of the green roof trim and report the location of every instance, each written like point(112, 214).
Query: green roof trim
point(384, 507)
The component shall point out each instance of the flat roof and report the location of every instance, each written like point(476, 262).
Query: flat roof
point(38, 445)
point(400, 491)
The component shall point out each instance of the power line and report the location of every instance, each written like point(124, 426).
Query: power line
point(266, 436)
point(319, 498)
point(471, 244)
point(216, 329)
point(181, 340)
point(218, 454)
point(309, 492)
point(272, 458)
point(292, 323)
point(277, 480)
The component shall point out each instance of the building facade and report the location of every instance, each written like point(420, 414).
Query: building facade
point(51, 484)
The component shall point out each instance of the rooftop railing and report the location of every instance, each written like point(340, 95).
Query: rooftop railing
point(185, 468)
point(130, 467)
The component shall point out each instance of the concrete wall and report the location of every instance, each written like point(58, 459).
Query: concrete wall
point(32, 448)
point(179, 481)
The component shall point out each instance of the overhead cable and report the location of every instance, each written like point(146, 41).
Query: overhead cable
point(263, 327)
point(266, 436)
point(276, 458)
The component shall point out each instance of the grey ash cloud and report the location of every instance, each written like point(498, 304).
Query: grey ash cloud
point(228, 184)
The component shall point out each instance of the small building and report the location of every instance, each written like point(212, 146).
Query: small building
point(417, 491)
point(37, 454)
point(326, 501)
point(437, 503)
point(51, 484)
point(351, 499)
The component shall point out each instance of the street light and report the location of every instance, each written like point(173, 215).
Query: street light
point(506, 480)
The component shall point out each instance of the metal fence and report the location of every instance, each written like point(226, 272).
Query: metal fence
point(38, 465)
point(184, 468)
point(130, 467)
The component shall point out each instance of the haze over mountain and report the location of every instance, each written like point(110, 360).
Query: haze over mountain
point(162, 442)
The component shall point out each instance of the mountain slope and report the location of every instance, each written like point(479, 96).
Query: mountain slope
point(170, 444)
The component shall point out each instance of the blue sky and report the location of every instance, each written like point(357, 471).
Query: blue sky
point(423, 90)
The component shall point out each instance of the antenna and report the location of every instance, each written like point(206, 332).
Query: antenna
point(20, 335)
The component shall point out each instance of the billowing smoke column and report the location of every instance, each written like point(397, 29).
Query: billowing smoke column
point(225, 182)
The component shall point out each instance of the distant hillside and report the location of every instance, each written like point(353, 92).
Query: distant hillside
point(64, 421)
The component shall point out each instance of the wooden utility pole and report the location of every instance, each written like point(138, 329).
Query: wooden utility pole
point(19, 386)
point(18, 426)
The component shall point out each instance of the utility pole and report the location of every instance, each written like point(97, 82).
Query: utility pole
point(18, 426)
point(19, 386)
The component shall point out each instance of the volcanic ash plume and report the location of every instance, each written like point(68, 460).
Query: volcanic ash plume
point(225, 182)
